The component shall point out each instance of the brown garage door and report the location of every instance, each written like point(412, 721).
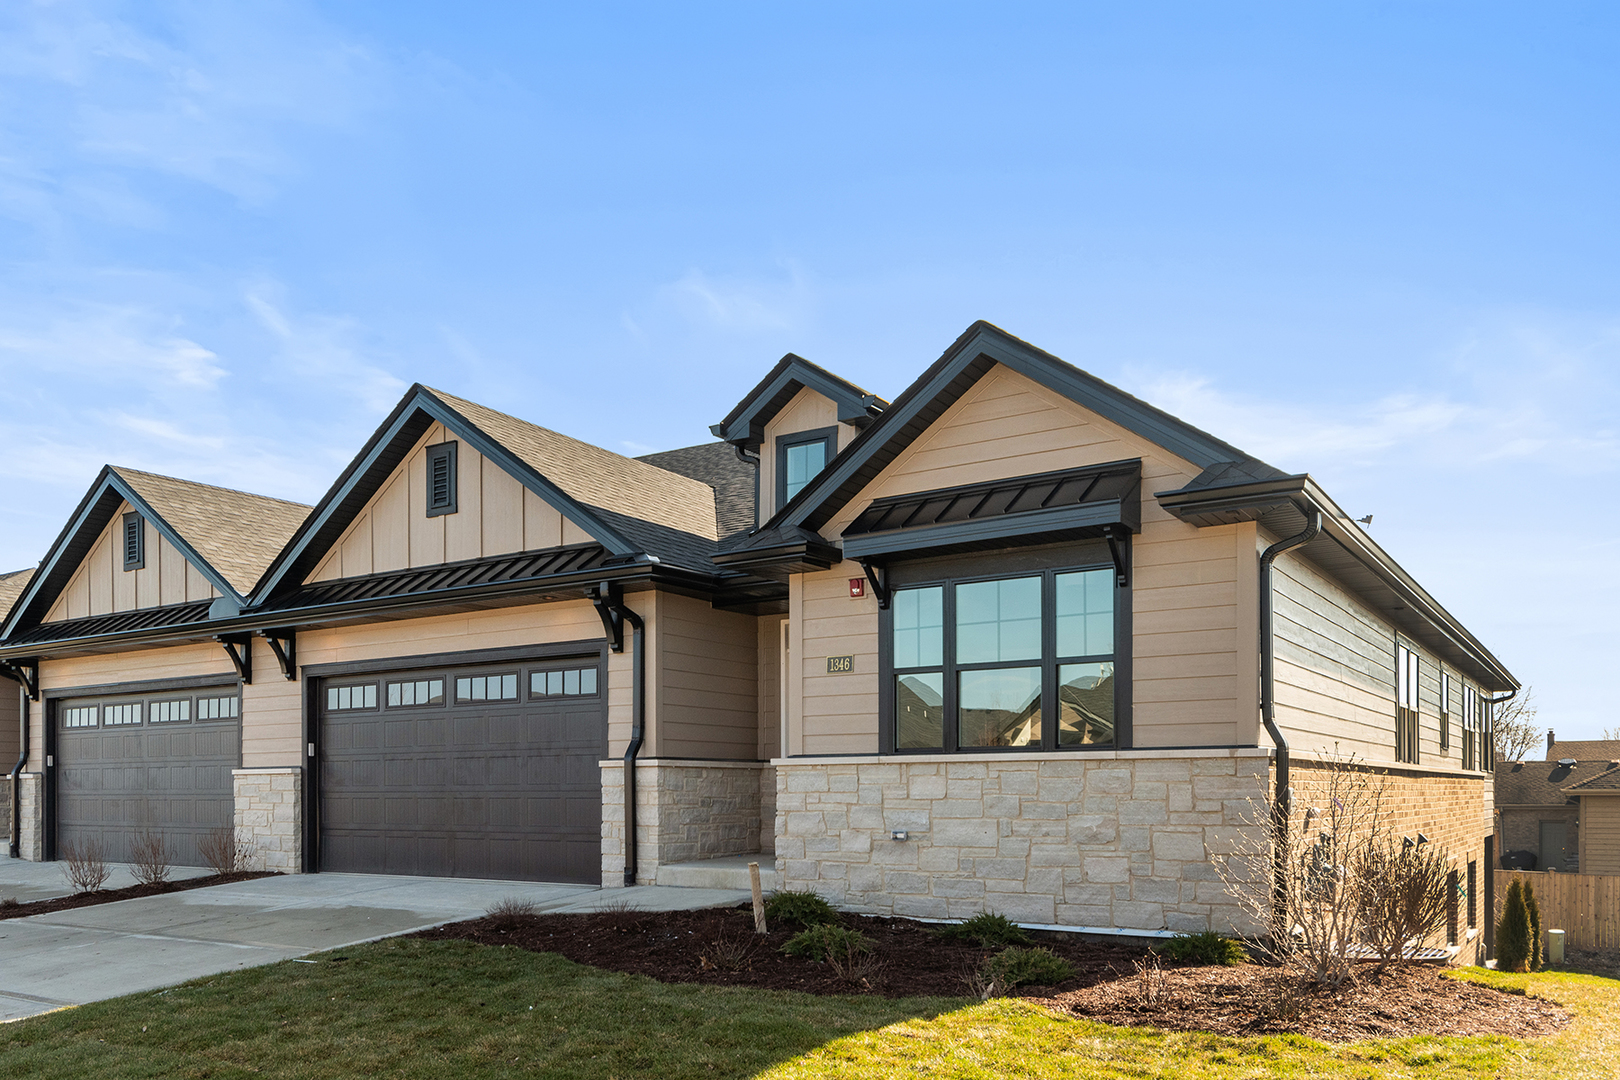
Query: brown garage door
point(487, 772)
point(161, 763)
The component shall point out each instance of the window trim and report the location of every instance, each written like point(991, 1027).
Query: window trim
point(446, 451)
point(1445, 709)
point(828, 436)
point(134, 553)
point(1000, 566)
point(1408, 708)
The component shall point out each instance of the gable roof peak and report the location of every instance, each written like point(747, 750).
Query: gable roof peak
point(744, 425)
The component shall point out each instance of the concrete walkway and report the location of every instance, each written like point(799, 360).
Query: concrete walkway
point(73, 957)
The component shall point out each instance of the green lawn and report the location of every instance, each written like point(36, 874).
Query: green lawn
point(454, 1010)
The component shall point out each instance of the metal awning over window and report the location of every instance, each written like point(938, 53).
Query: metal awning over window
point(1072, 504)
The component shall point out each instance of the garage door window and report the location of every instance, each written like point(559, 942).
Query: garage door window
point(122, 714)
point(487, 688)
point(351, 697)
point(418, 692)
point(218, 708)
point(568, 682)
point(85, 716)
point(171, 712)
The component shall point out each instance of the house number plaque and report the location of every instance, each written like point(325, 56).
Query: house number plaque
point(839, 664)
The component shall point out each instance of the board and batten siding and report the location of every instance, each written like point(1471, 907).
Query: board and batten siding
point(1335, 670)
point(101, 585)
point(808, 411)
point(1193, 589)
point(495, 515)
point(769, 639)
point(707, 682)
point(1600, 834)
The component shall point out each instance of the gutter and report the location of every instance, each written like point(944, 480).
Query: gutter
point(1282, 801)
point(610, 606)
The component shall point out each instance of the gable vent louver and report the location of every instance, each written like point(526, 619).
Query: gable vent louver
point(441, 479)
point(134, 542)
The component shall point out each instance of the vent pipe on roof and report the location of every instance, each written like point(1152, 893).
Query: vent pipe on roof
point(1281, 802)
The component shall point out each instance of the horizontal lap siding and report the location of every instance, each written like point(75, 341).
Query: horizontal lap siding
point(708, 668)
point(181, 662)
point(1600, 834)
point(1193, 588)
point(101, 585)
point(808, 411)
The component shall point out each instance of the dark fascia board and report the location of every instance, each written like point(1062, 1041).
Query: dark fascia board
point(745, 424)
point(378, 459)
point(630, 576)
point(777, 560)
point(1294, 496)
point(91, 516)
point(1068, 520)
point(981, 345)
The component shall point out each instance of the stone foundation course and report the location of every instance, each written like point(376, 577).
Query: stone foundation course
point(270, 816)
point(1117, 840)
point(685, 811)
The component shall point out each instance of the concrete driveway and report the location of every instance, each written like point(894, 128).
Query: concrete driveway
point(73, 957)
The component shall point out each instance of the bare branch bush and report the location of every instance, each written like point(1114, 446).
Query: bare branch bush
point(150, 859)
point(1514, 732)
point(86, 865)
point(1312, 926)
point(225, 852)
point(1402, 896)
point(728, 952)
point(510, 912)
point(1149, 981)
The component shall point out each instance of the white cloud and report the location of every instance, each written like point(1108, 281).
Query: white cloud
point(741, 304)
point(122, 343)
point(324, 350)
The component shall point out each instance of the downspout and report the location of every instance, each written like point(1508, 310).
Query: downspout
point(1488, 742)
point(15, 837)
point(610, 606)
point(1281, 805)
point(747, 457)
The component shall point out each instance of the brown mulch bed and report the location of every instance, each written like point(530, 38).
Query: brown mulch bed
point(108, 896)
point(718, 947)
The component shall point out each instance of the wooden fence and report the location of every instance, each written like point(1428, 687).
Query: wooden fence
point(1585, 906)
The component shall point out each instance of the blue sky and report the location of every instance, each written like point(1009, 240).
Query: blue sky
point(1375, 242)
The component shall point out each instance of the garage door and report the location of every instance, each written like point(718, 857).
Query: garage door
point(128, 764)
point(487, 772)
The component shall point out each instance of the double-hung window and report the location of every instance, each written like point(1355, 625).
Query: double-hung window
point(1470, 732)
point(1406, 704)
point(1445, 711)
point(1023, 661)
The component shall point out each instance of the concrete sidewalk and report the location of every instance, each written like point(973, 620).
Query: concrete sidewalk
point(73, 957)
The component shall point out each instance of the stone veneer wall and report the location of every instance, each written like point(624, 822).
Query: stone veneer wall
point(685, 811)
point(32, 834)
point(1115, 839)
point(270, 815)
point(767, 810)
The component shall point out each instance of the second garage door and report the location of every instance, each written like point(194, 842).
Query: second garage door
point(484, 772)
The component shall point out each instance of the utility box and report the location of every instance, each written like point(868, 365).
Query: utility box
point(1555, 947)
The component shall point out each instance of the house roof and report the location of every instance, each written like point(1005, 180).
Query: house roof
point(745, 424)
point(1539, 783)
point(1605, 781)
point(237, 532)
point(1596, 749)
point(716, 464)
point(12, 586)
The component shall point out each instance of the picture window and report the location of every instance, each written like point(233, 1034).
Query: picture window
point(800, 458)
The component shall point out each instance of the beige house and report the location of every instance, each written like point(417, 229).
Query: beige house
point(1014, 640)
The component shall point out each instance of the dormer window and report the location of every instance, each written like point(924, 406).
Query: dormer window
point(134, 542)
point(441, 479)
point(800, 457)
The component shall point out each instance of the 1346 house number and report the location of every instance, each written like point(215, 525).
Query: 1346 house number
point(839, 664)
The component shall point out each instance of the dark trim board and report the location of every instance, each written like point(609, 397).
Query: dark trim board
point(545, 651)
point(147, 686)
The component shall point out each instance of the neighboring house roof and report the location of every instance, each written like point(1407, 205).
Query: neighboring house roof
point(1538, 783)
point(745, 424)
point(1582, 749)
point(1606, 781)
point(12, 586)
point(228, 535)
point(735, 482)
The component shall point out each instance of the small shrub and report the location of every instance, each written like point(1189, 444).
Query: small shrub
point(150, 860)
point(1150, 983)
point(1019, 966)
point(1402, 897)
point(87, 870)
point(510, 911)
point(825, 940)
point(1206, 947)
point(988, 930)
point(224, 852)
point(800, 908)
point(1513, 930)
point(10, 903)
point(1533, 909)
point(728, 952)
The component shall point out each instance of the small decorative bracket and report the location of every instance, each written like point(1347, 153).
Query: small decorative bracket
point(880, 583)
point(239, 647)
point(1118, 536)
point(25, 672)
point(284, 643)
point(607, 598)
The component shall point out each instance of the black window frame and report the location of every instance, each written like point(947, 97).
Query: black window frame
point(1408, 713)
point(827, 436)
point(999, 567)
point(445, 452)
point(134, 536)
point(1444, 709)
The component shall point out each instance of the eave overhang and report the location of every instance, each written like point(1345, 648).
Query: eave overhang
point(1344, 550)
point(1070, 504)
point(778, 553)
